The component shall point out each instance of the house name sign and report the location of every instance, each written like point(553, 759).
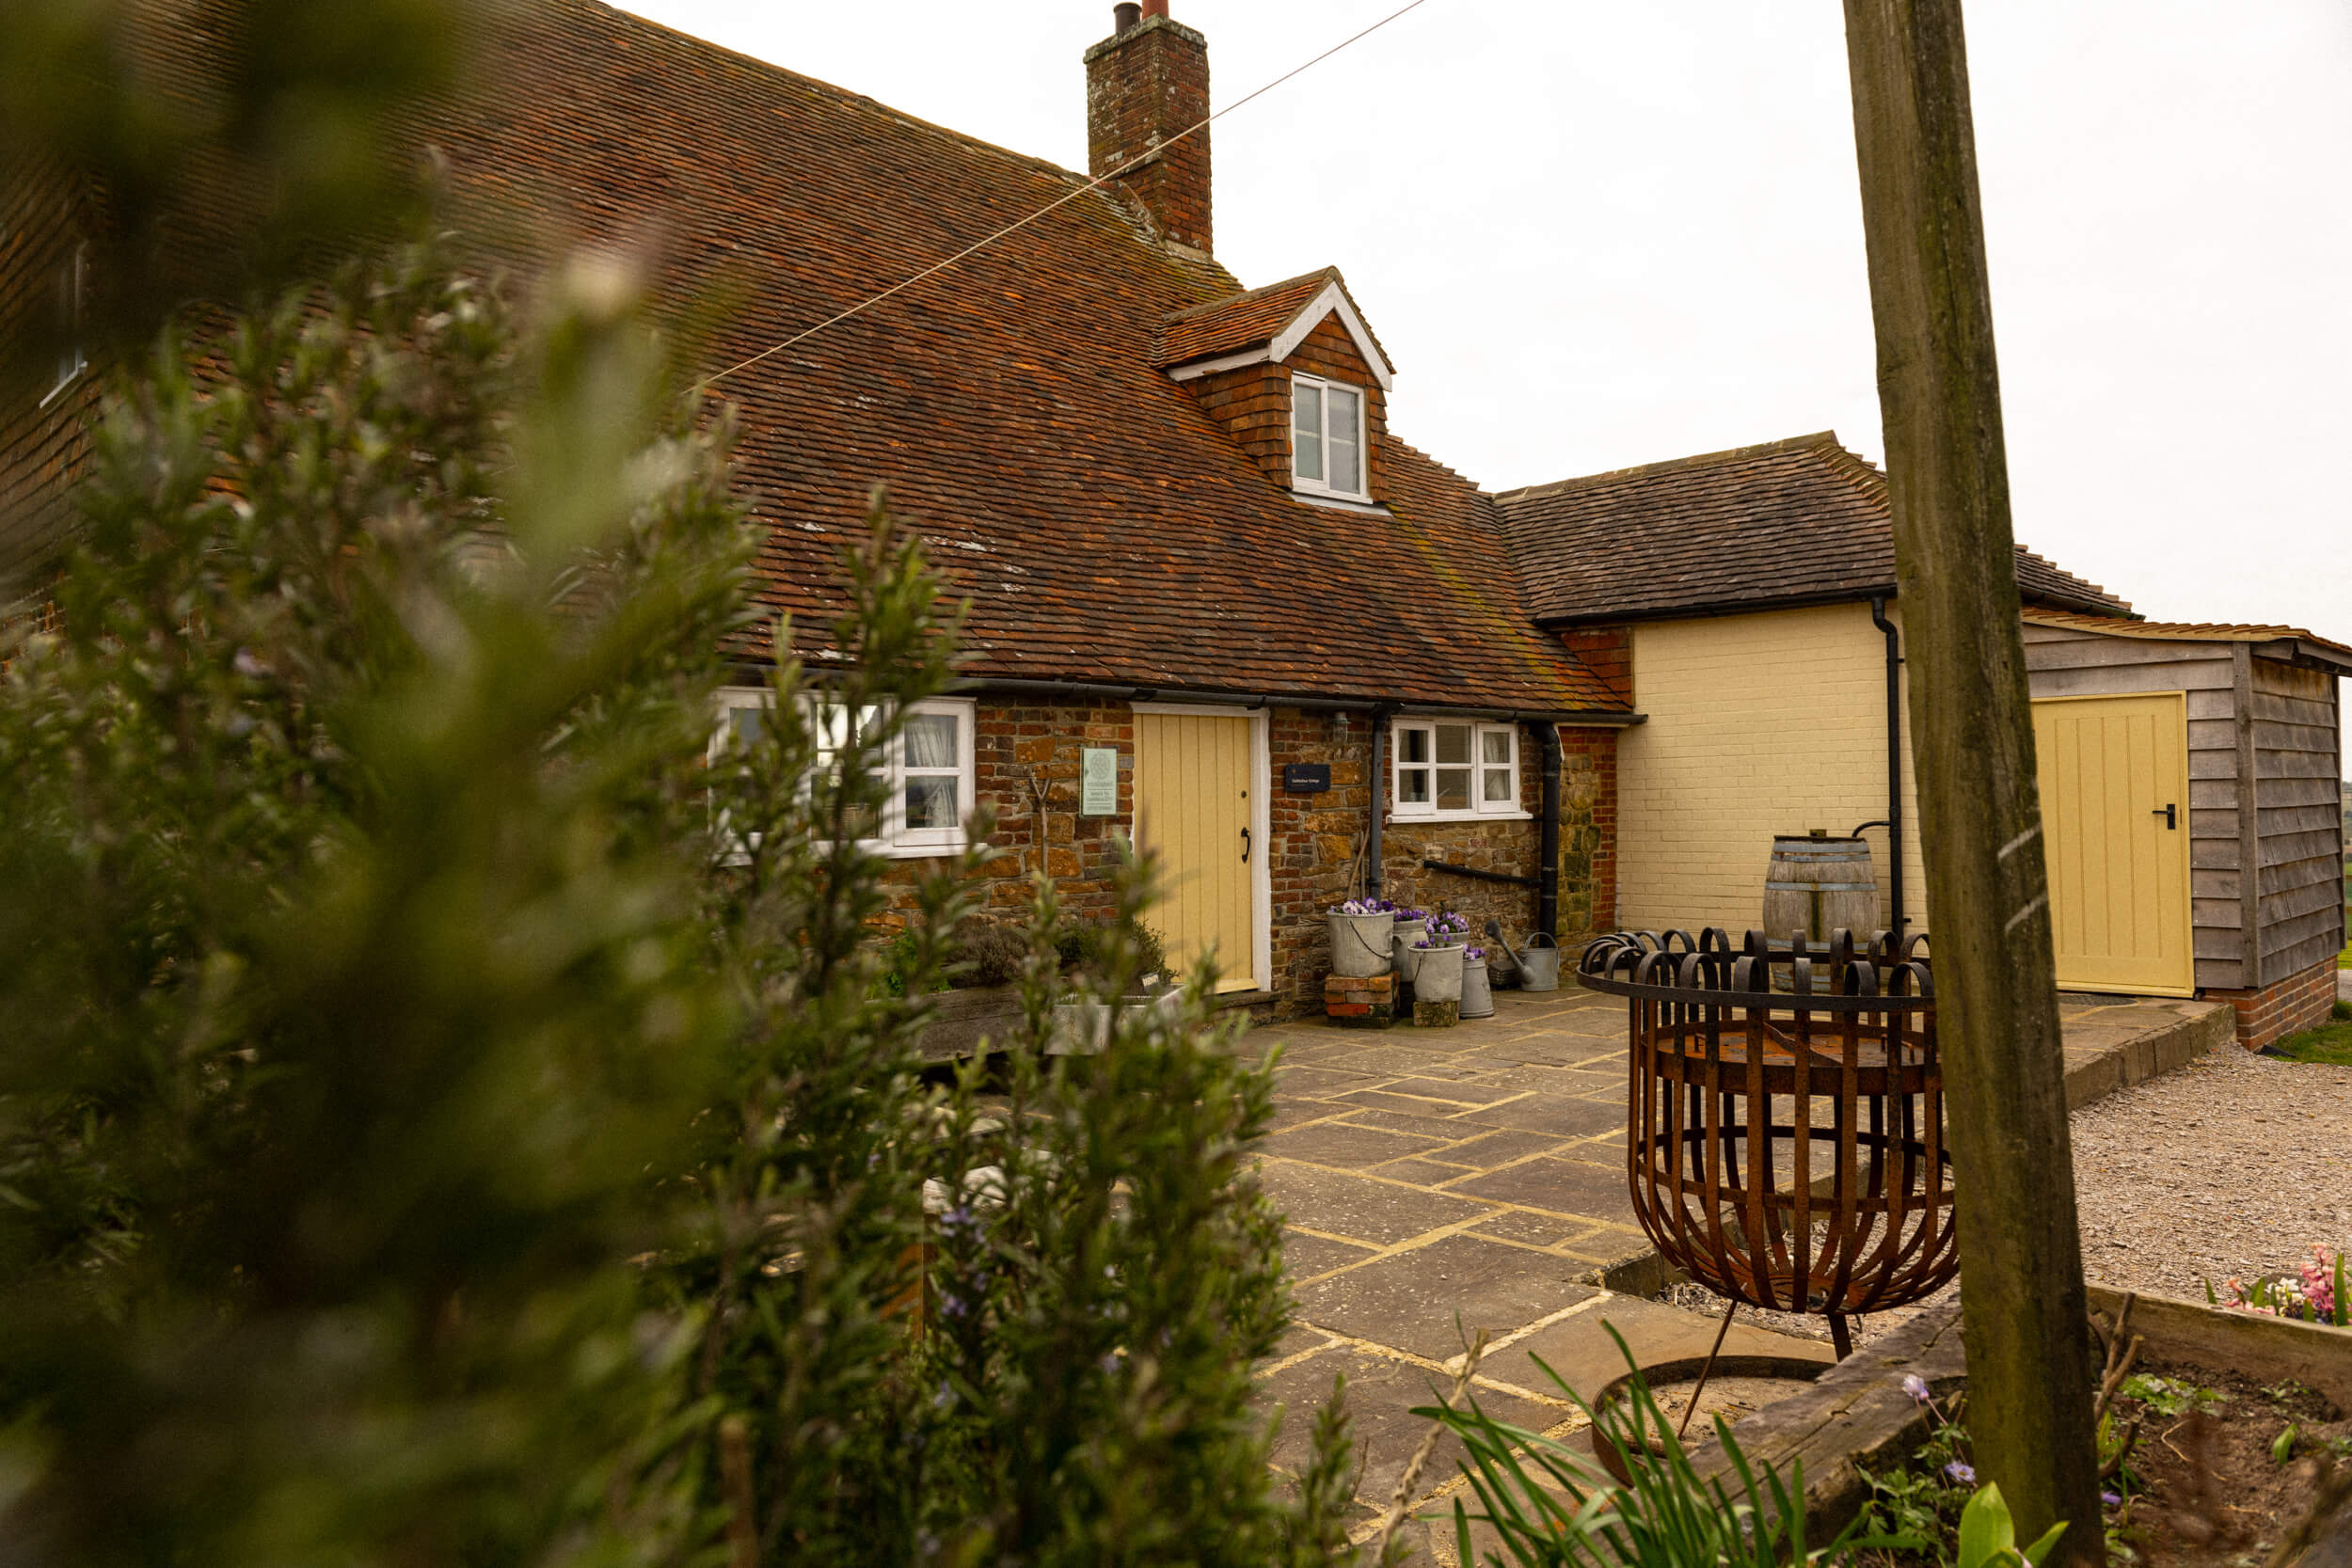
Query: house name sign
point(1305, 777)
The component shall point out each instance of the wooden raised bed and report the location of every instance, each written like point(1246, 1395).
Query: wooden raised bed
point(1857, 1415)
point(966, 1018)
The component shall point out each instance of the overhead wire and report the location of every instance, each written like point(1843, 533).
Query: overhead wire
point(981, 245)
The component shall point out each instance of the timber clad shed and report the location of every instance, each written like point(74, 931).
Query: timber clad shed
point(2227, 877)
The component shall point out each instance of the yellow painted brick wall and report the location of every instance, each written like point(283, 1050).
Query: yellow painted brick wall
point(1759, 724)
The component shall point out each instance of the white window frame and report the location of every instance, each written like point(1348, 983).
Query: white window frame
point(1364, 450)
point(1480, 808)
point(72, 284)
point(897, 841)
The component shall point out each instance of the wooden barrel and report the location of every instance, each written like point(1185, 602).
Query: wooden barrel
point(1820, 885)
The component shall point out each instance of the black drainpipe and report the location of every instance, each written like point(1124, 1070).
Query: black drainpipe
point(1894, 763)
point(1548, 836)
point(1379, 783)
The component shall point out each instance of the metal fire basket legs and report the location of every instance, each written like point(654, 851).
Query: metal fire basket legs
point(1785, 1117)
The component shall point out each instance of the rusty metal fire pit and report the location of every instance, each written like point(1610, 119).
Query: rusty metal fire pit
point(1785, 1117)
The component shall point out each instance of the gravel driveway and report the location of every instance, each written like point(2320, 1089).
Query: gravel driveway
point(2233, 1165)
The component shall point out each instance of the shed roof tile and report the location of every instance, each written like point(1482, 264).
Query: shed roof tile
point(1797, 521)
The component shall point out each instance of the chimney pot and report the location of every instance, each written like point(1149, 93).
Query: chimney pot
point(1124, 15)
point(1155, 8)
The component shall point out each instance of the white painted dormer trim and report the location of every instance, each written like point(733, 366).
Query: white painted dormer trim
point(1331, 301)
point(1200, 368)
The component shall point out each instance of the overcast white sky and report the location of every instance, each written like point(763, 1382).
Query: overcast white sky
point(1602, 234)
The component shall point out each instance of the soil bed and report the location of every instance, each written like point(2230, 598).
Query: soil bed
point(2204, 1486)
point(2211, 1490)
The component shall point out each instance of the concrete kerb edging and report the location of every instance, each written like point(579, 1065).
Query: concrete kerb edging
point(1857, 1417)
point(2149, 1055)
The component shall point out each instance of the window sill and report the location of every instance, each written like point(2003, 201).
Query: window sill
point(1342, 503)
point(64, 385)
point(1404, 818)
point(879, 852)
point(916, 851)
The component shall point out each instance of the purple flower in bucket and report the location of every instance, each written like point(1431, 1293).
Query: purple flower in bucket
point(1474, 955)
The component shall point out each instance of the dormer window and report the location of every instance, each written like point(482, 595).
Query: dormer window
point(1327, 438)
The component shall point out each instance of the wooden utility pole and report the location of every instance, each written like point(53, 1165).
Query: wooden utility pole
point(2026, 1324)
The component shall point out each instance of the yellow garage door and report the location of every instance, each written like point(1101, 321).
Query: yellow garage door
point(1193, 809)
point(2114, 781)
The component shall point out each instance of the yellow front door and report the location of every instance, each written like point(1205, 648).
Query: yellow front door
point(2114, 779)
point(1193, 809)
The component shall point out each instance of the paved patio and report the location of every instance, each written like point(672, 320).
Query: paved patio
point(1439, 1182)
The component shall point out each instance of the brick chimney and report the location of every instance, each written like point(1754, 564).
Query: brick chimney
point(1145, 85)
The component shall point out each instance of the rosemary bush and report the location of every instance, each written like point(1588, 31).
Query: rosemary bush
point(445, 1121)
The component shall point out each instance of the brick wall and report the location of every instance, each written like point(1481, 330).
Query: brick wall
point(42, 444)
point(1253, 403)
point(1608, 653)
point(2288, 1007)
point(1757, 724)
point(1315, 849)
point(1145, 87)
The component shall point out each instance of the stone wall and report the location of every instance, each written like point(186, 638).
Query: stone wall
point(1025, 767)
point(1027, 770)
point(1588, 835)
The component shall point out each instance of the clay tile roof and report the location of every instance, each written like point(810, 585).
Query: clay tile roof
point(1100, 525)
point(1800, 521)
point(1241, 320)
point(1250, 318)
point(2327, 649)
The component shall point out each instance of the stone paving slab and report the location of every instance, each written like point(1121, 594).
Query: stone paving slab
point(1438, 1182)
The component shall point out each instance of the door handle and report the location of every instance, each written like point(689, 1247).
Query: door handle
point(1245, 846)
point(2171, 814)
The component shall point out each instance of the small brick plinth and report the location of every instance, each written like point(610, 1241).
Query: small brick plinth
point(2285, 1007)
point(1361, 1001)
point(1436, 1015)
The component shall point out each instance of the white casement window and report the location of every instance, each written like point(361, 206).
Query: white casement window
point(1327, 438)
point(926, 769)
point(1454, 768)
point(71, 283)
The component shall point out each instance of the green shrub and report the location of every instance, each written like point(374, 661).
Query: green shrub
point(988, 954)
point(444, 1120)
point(1084, 949)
